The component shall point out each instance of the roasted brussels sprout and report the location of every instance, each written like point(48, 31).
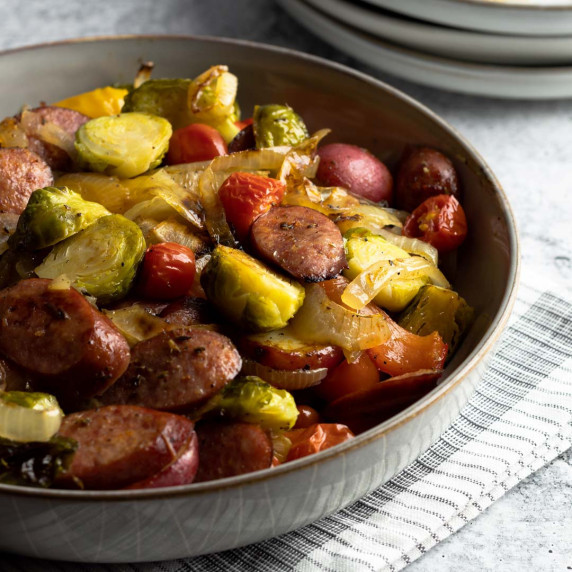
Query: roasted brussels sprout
point(364, 248)
point(101, 260)
point(441, 310)
point(163, 97)
point(52, 215)
point(278, 125)
point(35, 464)
point(252, 400)
point(248, 292)
point(29, 416)
point(124, 145)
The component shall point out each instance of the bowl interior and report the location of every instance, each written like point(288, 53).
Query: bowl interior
point(359, 110)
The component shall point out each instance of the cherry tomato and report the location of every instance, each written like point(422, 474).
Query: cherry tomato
point(245, 196)
point(440, 221)
point(306, 416)
point(316, 438)
point(405, 352)
point(168, 271)
point(196, 142)
point(348, 378)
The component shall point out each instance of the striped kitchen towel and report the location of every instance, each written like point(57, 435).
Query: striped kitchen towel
point(519, 419)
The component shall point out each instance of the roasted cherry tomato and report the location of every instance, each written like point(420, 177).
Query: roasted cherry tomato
point(196, 142)
point(307, 416)
point(168, 271)
point(245, 196)
point(440, 221)
point(405, 352)
point(348, 378)
point(316, 438)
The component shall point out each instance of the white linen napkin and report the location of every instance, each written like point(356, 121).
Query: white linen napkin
point(519, 419)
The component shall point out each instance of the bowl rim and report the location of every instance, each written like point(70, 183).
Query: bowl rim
point(455, 377)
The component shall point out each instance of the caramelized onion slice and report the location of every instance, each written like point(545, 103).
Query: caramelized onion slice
point(411, 245)
point(285, 379)
point(322, 321)
point(366, 285)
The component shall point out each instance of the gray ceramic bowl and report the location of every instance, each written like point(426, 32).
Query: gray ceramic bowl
point(196, 519)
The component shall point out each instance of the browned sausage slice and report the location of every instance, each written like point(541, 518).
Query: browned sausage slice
point(303, 242)
point(189, 311)
point(176, 370)
point(59, 336)
point(66, 120)
point(228, 449)
point(21, 173)
point(121, 445)
point(181, 471)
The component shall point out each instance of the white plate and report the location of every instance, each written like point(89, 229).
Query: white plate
point(532, 17)
point(443, 41)
point(454, 75)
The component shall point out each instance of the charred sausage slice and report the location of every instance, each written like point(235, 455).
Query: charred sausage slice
point(176, 370)
point(189, 311)
point(228, 449)
point(74, 351)
point(181, 471)
point(303, 242)
point(21, 173)
point(121, 445)
point(66, 120)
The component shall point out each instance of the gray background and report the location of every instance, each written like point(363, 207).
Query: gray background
point(528, 145)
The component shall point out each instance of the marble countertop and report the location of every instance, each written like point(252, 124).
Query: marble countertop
point(528, 145)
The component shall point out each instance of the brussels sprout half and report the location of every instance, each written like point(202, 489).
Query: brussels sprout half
point(248, 292)
point(124, 145)
point(252, 400)
point(52, 215)
point(276, 125)
point(101, 260)
point(163, 97)
point(441, 310)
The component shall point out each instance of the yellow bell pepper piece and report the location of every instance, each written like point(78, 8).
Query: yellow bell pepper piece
point(97, 103)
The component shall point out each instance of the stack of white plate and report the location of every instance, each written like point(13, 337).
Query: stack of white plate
point(500, 48)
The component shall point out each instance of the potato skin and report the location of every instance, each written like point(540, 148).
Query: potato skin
point(424, 172)
point(356, 169)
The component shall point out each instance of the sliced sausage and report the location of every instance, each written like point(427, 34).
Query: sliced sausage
point(68, 120)
point(303, 242)
point(176, 370)
point(21, 173)
point(180, 471)
point(228, 449)
point(365, 409)
point(74, 351)
point(121, 445)
point(189, 311)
